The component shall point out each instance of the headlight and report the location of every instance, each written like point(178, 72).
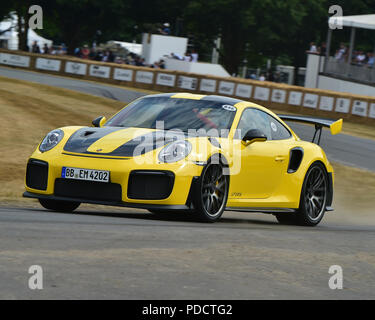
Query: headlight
point(51, 140)
point(175, 151)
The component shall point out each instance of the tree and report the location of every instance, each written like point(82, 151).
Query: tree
point(230, 19)
point(268, 28)
point(20, 8)
point(4, 13)
point(287, 28)
point(22, 12)
point(76, 22)
point(255, 30)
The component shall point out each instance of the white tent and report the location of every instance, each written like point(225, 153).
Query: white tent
point(364, 21)
point(11, 36)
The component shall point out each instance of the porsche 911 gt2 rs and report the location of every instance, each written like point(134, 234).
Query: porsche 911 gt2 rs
point(187, 152)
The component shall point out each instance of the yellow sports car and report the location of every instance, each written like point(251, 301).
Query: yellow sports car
point(187, 152)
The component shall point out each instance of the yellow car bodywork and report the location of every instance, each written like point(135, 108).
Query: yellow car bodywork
point(262, 183)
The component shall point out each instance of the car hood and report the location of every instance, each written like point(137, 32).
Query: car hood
point(115, 141)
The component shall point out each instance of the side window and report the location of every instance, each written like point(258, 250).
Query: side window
point(255, 119)
point(279, 132)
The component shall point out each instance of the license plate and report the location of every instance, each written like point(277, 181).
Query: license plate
point(85, 174)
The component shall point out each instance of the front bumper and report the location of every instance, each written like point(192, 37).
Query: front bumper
point(122, 171)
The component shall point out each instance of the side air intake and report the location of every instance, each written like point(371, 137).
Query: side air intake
point(295, 159)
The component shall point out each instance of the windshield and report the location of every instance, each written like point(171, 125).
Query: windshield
point(176, 114)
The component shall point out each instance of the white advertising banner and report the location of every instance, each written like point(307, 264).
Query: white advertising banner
point(295, 98)
point(76, 68)
point(226, 88)
point(372, 111)
point(326, 103)
point(165, 79)
point(262, 93)
point(244, 90)
point(208, 85)
point(144, 77)
point(342, 105)
point(48, 64)
point(278, 95)
point(14, 60)
point(187, 83)
point(360, 108)
point(123, 74)
point(99, 71)
point(310, 100)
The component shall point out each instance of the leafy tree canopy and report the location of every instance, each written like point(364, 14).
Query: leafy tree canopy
point(250, 30)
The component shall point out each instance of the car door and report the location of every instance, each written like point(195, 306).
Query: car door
point(263, 164)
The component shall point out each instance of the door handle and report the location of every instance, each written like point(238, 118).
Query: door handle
point(279, 158)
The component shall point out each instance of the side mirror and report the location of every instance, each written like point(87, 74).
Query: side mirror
point(254, 135)
point(99, 122)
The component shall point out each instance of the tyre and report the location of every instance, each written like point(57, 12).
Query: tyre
point(313, 199)
point(211, 193)
point(60, 206)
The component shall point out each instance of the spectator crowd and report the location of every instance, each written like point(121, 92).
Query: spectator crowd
point(107, 55)
point(45, 49)
point(358, 58)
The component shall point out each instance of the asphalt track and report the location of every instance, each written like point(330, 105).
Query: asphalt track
point(106, 253)
point(346, 149)
point(111, 253)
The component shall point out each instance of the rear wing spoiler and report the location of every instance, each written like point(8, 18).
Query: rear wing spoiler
point(335, 126)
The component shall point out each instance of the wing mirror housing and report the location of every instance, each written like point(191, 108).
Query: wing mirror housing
point(99, 122)
point(254, 135)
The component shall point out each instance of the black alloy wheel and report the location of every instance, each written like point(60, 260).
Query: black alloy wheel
point(313, 199)
point(212, 193)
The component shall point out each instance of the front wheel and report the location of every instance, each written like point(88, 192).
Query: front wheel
point(211, 194)
point(60, 206)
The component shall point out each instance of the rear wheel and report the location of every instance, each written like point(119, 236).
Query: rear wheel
point(211, 194)
point(60, 206)
point(313, 199)
point(314, 196)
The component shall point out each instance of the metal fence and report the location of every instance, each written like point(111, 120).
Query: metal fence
point(349, 71)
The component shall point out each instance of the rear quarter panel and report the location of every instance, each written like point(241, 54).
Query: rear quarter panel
point(293, 181)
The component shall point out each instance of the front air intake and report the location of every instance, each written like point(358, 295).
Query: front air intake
point(88, 190)
point(37, 174)
point(150, 185)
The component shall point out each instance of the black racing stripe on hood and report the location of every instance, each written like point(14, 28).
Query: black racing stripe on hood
point(83, 138)
point(143, 144)
point(79, 142)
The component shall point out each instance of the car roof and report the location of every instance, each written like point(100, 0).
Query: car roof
point(215, 98)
